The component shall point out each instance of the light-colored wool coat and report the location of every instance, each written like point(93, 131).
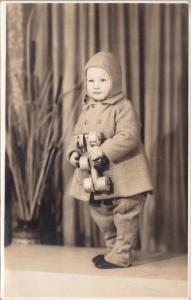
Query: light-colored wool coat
point(116, 118)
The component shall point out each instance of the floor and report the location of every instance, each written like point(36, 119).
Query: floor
point(56, 271)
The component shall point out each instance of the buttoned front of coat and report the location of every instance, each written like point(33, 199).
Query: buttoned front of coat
point(128, 168)
point(98, 117)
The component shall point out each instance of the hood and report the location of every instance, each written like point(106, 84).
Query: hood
point(108, 62)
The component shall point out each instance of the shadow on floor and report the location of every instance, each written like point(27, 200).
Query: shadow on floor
point(142, 258)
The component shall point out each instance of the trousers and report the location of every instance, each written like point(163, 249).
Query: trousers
point(118, 220)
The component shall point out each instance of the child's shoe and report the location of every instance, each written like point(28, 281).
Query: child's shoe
point(98, 258)
point(103, 264)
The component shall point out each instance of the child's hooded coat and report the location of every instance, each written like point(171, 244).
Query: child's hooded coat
point(116, 118)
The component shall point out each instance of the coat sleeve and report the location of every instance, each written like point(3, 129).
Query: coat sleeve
point(77, 130)
point(127, 133)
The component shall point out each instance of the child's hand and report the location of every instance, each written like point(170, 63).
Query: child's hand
point(74, 158)
point(95, 153)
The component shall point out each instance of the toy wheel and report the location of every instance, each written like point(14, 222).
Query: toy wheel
point(84, 163)
point(92, 138)
point(103, 184)
point(80, 141)
point(88, 185)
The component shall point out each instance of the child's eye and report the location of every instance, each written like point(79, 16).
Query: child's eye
point(103, 80)
point(90, 80)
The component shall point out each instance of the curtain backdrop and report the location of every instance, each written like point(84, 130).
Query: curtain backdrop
point(151, 43)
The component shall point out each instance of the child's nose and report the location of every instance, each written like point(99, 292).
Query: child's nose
point(96, 84)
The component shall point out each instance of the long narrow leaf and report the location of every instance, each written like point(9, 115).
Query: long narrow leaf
point(42, 178)
point(24, 111)
point(29, 166)
point(17, 178)
point(15, 166)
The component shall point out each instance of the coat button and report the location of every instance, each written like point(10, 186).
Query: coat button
point(99, 121)
point(85, 122)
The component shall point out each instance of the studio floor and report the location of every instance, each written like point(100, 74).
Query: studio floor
point(56, 271)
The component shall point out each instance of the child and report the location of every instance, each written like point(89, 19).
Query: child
point(105, 109)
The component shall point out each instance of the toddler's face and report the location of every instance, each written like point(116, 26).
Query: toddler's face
point(98, 83)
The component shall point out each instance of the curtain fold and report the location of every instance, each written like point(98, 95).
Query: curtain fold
point(151, 113)
point(151, 42)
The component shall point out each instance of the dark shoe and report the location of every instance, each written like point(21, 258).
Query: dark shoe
point(103, 264)
point(98, 258)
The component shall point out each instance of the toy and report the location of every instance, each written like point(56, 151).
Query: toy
point(93, 182)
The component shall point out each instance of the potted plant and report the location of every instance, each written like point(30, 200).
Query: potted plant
point(31, 146)
point(32, 141)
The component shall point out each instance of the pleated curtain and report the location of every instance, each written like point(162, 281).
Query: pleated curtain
point(151, 43)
